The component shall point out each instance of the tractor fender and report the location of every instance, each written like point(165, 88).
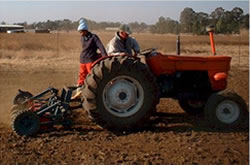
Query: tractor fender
point(110, 56)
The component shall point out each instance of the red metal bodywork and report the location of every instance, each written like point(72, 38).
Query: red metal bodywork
point(216, 66)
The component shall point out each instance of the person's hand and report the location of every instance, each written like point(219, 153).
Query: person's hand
point(122, 53)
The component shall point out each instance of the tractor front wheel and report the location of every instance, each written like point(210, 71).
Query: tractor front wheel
point(226, 110)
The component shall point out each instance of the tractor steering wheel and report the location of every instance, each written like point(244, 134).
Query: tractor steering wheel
point(147, 52)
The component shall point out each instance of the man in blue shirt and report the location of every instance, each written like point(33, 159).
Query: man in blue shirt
point(90, 43)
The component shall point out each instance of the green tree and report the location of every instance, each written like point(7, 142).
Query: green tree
point(187, 19)
point(237, 14)
point(165, 25)
point(203, 19)
point(245, 21)
point(138, 27)
point(216, 15)
point(224, 24)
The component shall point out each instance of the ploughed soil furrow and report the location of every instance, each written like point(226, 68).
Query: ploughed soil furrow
point(172, 138)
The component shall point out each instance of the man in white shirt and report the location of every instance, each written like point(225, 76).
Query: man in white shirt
point(122, 43)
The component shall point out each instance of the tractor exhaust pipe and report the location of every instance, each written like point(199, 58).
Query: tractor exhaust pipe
point(210, 30)
point(178, 45)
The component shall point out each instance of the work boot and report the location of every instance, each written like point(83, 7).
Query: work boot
point(78, 93)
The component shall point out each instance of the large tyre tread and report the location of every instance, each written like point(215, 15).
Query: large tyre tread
point(89, 93)
point(216, 99)
point(98, 72)
point(15, 117)
point(115, 65)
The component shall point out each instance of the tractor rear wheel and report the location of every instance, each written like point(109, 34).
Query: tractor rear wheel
point(120, 93)
point(226, 110)
point(25, 123)
point(192, 107)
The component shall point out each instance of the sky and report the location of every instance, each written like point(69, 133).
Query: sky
point(110, 11)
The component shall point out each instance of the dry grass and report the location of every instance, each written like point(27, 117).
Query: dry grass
point(61, 50)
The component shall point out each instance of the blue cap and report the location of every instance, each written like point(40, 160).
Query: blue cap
point(82, 25)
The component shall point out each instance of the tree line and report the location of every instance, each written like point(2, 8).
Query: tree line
point(225, 22)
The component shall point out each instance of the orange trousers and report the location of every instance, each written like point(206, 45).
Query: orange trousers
point(84, 70)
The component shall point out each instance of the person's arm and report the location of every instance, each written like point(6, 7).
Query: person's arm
point(112, 48)
point(135, 47)
point(100, 46)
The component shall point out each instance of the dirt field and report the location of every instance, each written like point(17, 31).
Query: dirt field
point(173, 137)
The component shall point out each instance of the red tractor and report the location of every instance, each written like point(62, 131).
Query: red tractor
point(122, 92)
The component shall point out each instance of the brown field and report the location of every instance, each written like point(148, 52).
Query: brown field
point(57, 49)
point(36, 61)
